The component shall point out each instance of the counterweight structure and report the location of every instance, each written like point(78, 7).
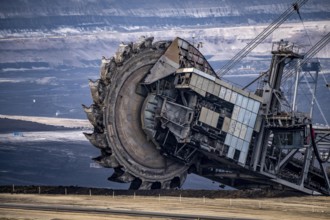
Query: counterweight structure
point(160, 111)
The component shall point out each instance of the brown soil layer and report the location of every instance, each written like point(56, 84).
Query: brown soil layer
point(75, 190)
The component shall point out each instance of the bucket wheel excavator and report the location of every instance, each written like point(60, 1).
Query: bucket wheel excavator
point(119, 102)
point(160, 112)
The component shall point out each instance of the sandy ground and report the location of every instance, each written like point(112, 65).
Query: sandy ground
point(308, 207)
point(65, 122)
point(45, 136)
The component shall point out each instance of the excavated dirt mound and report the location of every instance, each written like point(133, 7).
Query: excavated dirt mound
point(75, 190)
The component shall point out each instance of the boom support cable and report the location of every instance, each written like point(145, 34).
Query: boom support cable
point(264, 34)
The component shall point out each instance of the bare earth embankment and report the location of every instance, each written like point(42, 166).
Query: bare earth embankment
point(294, 207)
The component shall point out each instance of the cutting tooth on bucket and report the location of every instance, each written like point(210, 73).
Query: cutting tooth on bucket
point(116, 173)
point(108, 68)
point(123, 53)
point(107, 161)
point(94, 115)
point(97, 91)
point(166, 185)
point(145, 185)
point(121, 176)
point(126, 177)
point(97, 139)
point(142, 43)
